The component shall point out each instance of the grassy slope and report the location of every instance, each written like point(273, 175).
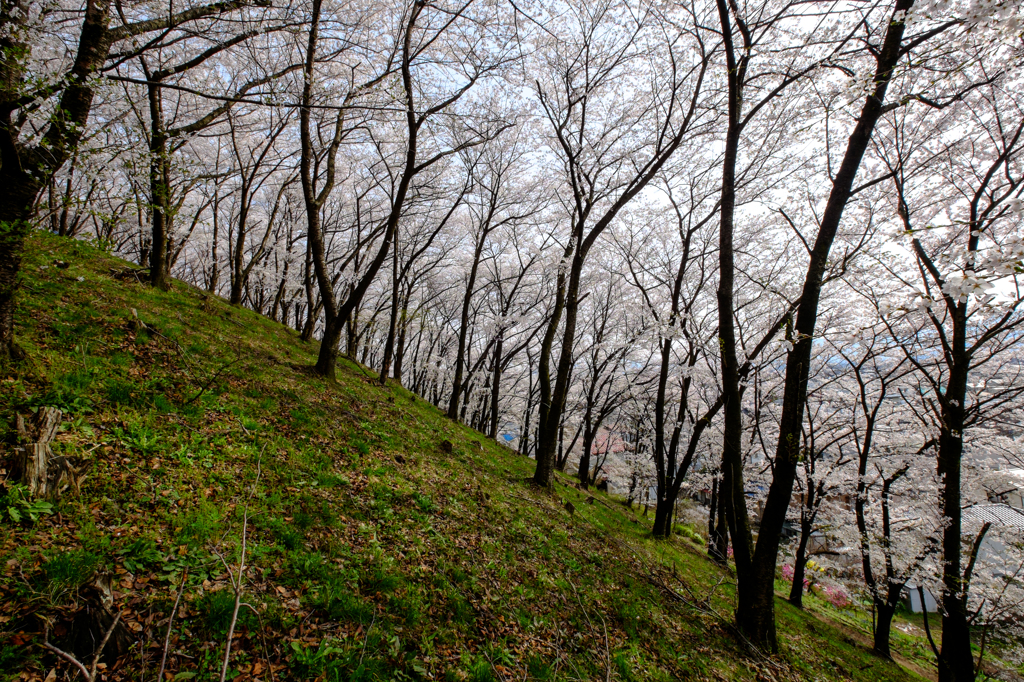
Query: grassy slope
point(372, 552)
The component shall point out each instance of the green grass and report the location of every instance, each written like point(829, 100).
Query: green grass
point(371, 553)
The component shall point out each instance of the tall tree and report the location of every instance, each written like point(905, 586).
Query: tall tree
point(63, 97)
point(609, 150)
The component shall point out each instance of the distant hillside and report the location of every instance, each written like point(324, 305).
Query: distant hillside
point(382, 541)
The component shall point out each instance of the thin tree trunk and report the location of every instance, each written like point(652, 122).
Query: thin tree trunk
point(389, 345)
point(796, 592)
point(492, 431)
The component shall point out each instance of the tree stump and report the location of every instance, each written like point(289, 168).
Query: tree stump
point(94, 619)
point(35, 437)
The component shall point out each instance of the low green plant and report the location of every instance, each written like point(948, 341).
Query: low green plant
point(690, 534)
point(138, 438)
point(338, 602)
point(69, 393)
point(310, 662)
point(424, 502)
point(215, 610)
point(140, 554)
point(201, 524)
point(538, 669)
point(17, 505)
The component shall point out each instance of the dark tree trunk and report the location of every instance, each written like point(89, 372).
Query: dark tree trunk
point(524, 438)
point(389, 344)
point(159, 187)
point(731, 492)
point(796, 592)
point(238, 252)
point(721, 552)
point(664, 510)
point(20, 191)
point(553, 411)
point(496, 384)
point(460, 353)
point(583, 471)
point(400, 344)
point(755, 613)
point(712, 504)
point(883, 627)
point(211, 285)
point(956, 663)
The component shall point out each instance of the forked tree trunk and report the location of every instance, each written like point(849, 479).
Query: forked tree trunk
point(664, 510)
point(755, 613)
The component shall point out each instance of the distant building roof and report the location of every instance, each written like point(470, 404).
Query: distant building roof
point(999, 514)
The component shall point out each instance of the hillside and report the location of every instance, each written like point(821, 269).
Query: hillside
point(381, 540)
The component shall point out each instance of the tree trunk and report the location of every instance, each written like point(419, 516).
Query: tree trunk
point(731, 492)
point(883, 627)
point(492, 431)
point(21, 191)
point(524, 438)
point(552, 404)
point(237, 254)
point(159, 187)
point(664, 510)
point(460, 354)
point(583, 470)
point(956, 661)
point(400, 343)
point(712, 504)
point(796, 592)
point(389, 345)
point(756, 587)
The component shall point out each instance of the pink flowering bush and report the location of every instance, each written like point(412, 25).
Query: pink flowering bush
point(836, 596)
point(787, 575)
point(833, 594)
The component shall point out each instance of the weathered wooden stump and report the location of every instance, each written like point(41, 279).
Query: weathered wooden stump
point(35, 437)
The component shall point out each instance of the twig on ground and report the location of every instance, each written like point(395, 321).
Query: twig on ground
point(366, 637)
point(170, 622)
point(90, 673)
point(237, 582)
point(263, 638)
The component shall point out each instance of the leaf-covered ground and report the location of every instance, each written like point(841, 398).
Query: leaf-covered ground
point(373, 550)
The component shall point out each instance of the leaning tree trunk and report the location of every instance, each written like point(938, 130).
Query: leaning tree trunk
point(796, 593)
point(755, 614)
